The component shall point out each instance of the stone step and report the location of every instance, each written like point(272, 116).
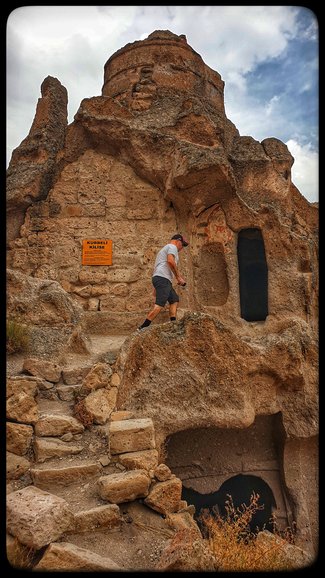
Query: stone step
point(131, 435)
point(137, 545)
point(45, 477)
point(54, 406)
point(47, 448)
point(102, 343)
point(101, 347)
point(65, 556)
point(107, 516)
point(110, 322)
point(57, 424)
point(68, 392)
point(75, 374)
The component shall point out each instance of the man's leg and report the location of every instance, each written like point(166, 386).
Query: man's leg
point(154, 312)
point(173, 311)
point(173, 300)
point(151, 315)
point(162, 289)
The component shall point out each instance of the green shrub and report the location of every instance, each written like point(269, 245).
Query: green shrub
point(17, 336)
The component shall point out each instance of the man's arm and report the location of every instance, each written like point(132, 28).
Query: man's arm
point(172, 265)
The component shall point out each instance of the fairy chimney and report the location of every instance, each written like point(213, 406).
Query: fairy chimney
point(232, 387)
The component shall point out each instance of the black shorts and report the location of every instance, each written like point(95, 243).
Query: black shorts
point(164, 291)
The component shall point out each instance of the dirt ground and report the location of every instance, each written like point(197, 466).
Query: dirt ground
point(136, 546)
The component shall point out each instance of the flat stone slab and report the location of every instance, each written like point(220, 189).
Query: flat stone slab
point(62, 476)
point(57, 425)
point(36, 517)
point(124, 487)
point(107, 516)
point(131, 435)
point(65, 556)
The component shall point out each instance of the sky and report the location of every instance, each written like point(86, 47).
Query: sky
point(266, 55)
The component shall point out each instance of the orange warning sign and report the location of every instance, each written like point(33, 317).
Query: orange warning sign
point(97, 252)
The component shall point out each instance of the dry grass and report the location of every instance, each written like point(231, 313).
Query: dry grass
point(17, 336)
point(21, 556)
point(236, 548)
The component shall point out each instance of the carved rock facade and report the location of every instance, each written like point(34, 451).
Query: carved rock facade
point(153, 155)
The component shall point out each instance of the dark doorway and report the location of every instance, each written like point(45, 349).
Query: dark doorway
point(204, 504)
point(240, 488)
point(253, 275)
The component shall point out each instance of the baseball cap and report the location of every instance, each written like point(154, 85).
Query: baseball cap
point(179, 237)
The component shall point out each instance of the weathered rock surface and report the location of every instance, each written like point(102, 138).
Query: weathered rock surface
point(124, 487)
point(31, 171)
point(36, 517)
point(18, 555)
point(47, 448)
point(142, 460)
point(16, 466)
point(165, 496)
point(27, 384)
point(98, 405)
point(19, 438)
point(98, 376)
point(290, 556)
point(23, 408)
point(131, 435)
point(222, 391)
point(43, 478)
point(65, 556)
point(271, 374)
point(57, 425)
point(107, 516)
point(39, 301)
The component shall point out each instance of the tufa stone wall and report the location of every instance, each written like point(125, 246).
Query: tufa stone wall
point(155, 154)
point(136, 175)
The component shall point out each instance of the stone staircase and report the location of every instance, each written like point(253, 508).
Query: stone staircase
point(75, 493)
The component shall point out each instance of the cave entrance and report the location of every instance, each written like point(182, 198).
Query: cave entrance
point(253, 275)
point(240, 488)
point(213, 462)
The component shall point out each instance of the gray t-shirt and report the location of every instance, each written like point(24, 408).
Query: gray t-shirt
point(161, 267)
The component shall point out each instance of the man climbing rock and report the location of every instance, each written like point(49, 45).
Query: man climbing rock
point(165, 268)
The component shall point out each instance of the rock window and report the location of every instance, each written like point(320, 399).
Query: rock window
point(253, 275)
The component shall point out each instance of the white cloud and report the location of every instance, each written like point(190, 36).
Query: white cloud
point(263, 120)
point(271, 105)
point(312, 31)
point(237, 38)
point(305, 169)
point(230, 39)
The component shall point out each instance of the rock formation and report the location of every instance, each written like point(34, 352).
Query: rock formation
point(232, 387)
point(31, 171)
